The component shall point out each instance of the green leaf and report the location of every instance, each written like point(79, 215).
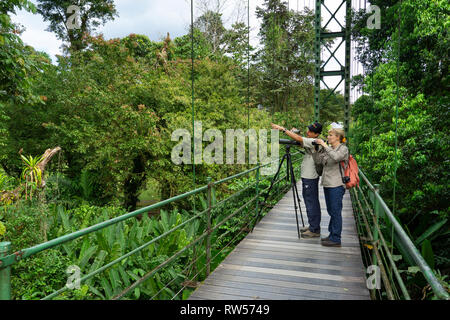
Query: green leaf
point(115, 280)
point(106, 286)
point(139, 235)
point(87, 256)
point(2, 229)
point(164, 220)
point(101, 241)
point(110, 234)
point(124, 275)
point(413, 269)
point(137, 293)
point(133, 275)
point(64, 219)
point(96, 292)
point(67, 248)
point(427, 253)
point(97, 263)
point(435, 227)
point(186, 294)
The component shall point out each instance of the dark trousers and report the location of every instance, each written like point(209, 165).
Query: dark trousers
point(333, 199)
point(310, 188)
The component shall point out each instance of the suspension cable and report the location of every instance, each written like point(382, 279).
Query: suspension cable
point(396, 119)
point(192, 92)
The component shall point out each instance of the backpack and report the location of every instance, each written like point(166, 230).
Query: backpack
point(350, 177)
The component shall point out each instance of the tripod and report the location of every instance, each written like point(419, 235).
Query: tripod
point(289, 172)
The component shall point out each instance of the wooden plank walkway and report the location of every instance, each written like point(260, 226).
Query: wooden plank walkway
point(272, 263)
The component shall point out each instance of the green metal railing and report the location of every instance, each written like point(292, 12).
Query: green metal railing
point(7, 259)
point(371, 213)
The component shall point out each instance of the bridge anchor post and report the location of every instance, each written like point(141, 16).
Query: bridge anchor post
point(208, 224)
point(5, 273)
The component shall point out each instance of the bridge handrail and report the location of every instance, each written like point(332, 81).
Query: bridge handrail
point(429, 275)
point(6, 259)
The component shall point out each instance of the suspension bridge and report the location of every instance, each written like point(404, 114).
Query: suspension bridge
point(271, 262)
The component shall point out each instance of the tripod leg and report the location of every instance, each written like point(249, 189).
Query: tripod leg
point(298, 199)
point(293, 192)
point(268, 191)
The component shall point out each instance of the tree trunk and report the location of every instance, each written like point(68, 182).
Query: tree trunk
point(46, 157)
point(133, 183)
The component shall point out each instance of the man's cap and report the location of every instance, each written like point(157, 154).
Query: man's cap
point(316, 127)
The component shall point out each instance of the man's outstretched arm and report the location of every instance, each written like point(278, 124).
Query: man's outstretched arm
point(294, 136)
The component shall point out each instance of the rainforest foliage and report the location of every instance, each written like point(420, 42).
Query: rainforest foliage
point(111, 105)
point(400, 127)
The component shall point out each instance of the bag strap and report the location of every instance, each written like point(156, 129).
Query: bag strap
point(348, 164)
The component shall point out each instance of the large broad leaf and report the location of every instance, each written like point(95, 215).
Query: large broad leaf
point(96, 292)
point(106, 287)
point(435, 227)
point(98, 262)
point(403, 250)
point(165, 220)
point(84, 247)
point(203, 202)
point(101, 241)
point(124, 275)
point(64, 219)
point(110, 235)
point(427, 253)
point(139, 235)
point(121, 239)
point(84, 259)
point(137, 293)
point(132, 236)
point(115, 280)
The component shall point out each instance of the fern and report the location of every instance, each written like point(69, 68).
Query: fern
point(86, 184)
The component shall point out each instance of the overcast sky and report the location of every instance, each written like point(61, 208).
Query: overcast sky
point(154, 18)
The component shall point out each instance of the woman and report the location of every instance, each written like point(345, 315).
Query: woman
point(332, 183)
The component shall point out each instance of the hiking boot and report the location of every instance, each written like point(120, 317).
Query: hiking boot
point(325, 239)
point(329, 243)
point(309, 234)
point(303, 229)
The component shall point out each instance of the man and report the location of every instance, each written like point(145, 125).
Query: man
point(310, 177)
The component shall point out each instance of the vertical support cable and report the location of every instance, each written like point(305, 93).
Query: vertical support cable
point(376, 210)
point(257, 191)
point(192, 91)
point(396, 107)
point(248, 79)
point(348, 13)
point(248, 64)
point(373, 110)
point(396, 120)
point(318, 62)
point(208, 226)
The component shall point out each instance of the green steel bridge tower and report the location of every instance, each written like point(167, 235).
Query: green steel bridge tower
point(321, 71)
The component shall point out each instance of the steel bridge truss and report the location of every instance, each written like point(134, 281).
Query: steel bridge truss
point(321, 74)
